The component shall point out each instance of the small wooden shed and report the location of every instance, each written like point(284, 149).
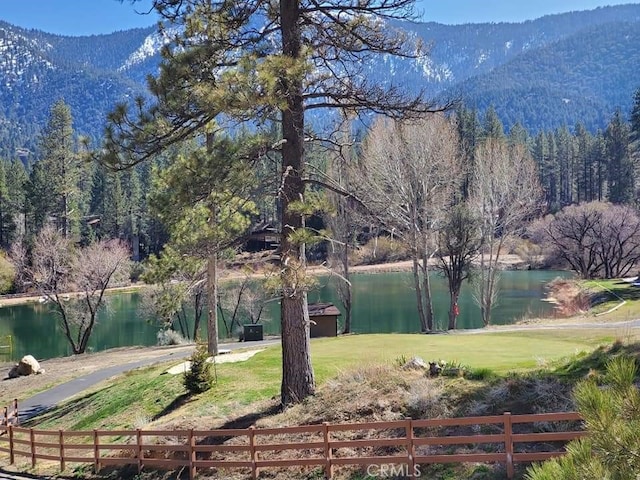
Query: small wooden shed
point(324, 320)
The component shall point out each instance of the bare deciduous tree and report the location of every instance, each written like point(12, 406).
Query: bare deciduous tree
point(596, 239)
point(619, 235)
point(243, 302)
point(343, 219)
point(411, 172)
point(505, 192)
point(75, 280)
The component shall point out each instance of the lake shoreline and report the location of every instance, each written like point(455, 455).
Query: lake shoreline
point(507, 262)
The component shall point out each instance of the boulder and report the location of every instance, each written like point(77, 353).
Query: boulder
point(13, 373)
point(28, 365)
point(435, 369)
point(416, 363)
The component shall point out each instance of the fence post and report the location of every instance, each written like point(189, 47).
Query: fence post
point(12, 457)
point(61, 438)
point(15, 411)
point(32, 441)
point(328, 454)
point(192, 455)
point(410, 449)
point(96, 452)
point(508, 444)
point(5, 417)
point(252, 451)
point(139, 448)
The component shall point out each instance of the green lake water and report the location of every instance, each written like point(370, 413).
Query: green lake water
point(383, 303)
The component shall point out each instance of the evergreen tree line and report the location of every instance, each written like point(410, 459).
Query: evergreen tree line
point(86, 201)
point(574, 164)
point(83, 200)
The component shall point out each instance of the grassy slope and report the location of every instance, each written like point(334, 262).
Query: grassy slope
point(148, 394)
point(357, 374)
point(359, 380)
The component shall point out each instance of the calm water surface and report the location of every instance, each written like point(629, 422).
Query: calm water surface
point(383, 303)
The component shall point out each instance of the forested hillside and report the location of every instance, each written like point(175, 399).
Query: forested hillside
point(38, 69)
point(553, 85)
point(584, 77)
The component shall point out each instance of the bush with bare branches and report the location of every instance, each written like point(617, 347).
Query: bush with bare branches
point(73, 279)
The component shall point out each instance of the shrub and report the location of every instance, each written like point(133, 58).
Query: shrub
point(612, 416)
point(380, 250)
point(170, 337)
point(7, 274)
point(483, 374)
point(199, 378)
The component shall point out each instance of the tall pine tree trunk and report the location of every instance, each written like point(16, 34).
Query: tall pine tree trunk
point(212, 278)
point(297, 373)
point(212, 301)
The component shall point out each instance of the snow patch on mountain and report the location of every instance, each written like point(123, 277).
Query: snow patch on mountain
point(150, 47)
point(21, 58)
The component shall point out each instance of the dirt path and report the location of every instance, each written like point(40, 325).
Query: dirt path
point(41, 402)
point(64, 369)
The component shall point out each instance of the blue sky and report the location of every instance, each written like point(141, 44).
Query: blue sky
point(86, 17)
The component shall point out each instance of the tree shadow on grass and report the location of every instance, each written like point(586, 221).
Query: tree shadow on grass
point(37, 414)
point(621, 289)
point(177, 402)
point(241, 423)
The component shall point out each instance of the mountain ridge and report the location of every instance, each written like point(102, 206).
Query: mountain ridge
point(499, 64)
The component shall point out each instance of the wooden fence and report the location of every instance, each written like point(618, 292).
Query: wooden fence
point(10, 414)
point(398, 446)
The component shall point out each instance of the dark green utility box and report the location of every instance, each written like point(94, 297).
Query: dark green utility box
point(253, 332)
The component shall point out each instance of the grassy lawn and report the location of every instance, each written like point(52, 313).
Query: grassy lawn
point(143, 395)
point(501, 352)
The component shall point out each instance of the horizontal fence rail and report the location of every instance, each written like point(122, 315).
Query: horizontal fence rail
point(403, 444)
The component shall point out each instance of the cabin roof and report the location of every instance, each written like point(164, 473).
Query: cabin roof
point(323, 309)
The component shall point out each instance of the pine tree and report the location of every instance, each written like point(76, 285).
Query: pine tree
point(115, 207)
point(134, 223)
point(6, 219)
point(635, 123)
point(518, 135)
point(270, 60)
point(211, 209)
point(620, 164)
point(17, 180)
point(566, 165)
point(599, 152)
point(40, 199)
point(54, 192)
point(492, 126)
point(634, 134)
point(469, 133)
